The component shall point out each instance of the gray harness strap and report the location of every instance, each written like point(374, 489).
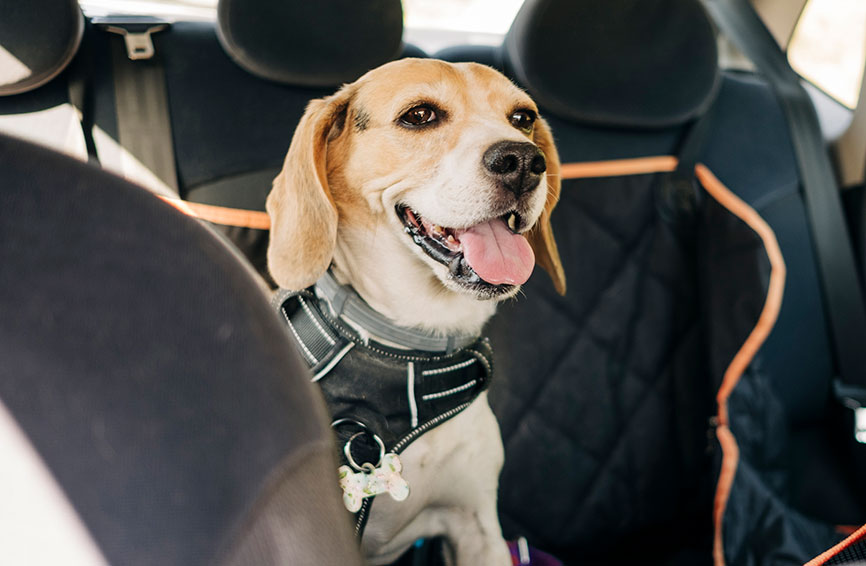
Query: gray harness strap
point(346, 303)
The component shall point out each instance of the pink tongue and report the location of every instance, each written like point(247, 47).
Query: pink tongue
point(496, 254)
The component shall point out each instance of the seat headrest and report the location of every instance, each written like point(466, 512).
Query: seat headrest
point(38, 39)
point(635, 63)
point(306, 43)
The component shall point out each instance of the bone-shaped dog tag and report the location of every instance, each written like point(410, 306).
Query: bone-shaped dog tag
point(371, 481)
point(388, 478)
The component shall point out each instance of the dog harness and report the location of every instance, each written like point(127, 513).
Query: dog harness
point(381, 398)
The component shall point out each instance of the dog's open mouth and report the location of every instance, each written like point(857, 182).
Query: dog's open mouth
point(488, 254)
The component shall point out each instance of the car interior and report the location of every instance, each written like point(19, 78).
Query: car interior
point(692, 399)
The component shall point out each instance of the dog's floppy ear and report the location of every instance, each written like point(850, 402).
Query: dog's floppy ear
point(302, 210)
point(541, 235)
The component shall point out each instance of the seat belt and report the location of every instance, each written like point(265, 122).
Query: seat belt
point(80, 90)
point(141, 101)
point(843, 296)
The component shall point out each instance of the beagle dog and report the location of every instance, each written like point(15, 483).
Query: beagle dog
point(428, 188)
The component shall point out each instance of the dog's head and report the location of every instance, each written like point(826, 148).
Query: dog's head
point(444, 167)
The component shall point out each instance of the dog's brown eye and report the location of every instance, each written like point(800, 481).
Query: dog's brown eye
point(523, 119)
point(418, 116)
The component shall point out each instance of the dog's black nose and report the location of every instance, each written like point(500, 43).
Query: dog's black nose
point(517, 165)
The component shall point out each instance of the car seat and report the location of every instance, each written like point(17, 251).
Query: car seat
point(151, 405)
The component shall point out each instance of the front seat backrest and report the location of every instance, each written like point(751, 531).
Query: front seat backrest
point(144, 366)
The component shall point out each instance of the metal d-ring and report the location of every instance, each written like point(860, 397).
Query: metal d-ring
point(366, 466)
point(343, 421)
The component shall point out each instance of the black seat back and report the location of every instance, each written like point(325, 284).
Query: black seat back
point(145, 367)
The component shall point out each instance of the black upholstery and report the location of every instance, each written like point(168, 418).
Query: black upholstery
point(751, 150)
point(50, 95)
point(247, 121)
point(632, 63)
point(145, 366)
point(58, 24)
point(627, 64)
point(304, 43)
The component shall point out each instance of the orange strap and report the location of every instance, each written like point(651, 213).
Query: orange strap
point(827, 555)
point(636, 166)
point(756, 338)
point(260, 221)
point(221, 214)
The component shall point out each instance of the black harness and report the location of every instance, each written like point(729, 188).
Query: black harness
point(381, 398)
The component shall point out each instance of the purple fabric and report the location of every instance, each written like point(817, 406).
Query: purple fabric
point(536, 557)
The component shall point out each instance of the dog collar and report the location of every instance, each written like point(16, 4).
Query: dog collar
point(345, 303)
point(381, 399)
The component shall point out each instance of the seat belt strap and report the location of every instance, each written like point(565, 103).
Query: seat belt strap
point(843, 297)
point(680, 194)
point(141, 101)
point(80, 92)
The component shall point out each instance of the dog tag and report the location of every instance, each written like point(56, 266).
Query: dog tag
point(373, 481)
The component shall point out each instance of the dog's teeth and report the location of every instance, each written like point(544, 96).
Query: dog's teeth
point(438, 229)
point(451, 239)
point(512, 222)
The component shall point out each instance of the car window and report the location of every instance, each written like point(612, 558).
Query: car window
point(434, 24)
point(169, 9)
point(828, 47)
point(482, 16)
point(430, 24)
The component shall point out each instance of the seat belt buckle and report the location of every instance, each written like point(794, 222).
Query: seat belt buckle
point(136, 32)
point(854, 398)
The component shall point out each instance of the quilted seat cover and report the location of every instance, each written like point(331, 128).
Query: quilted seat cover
point(608, 396)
